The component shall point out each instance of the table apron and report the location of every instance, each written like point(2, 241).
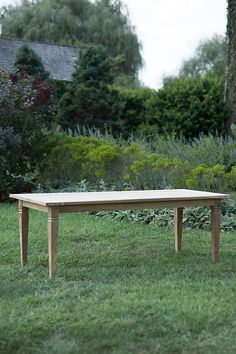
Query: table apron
point(124, 205)
point(35, 206)
point(135, 205)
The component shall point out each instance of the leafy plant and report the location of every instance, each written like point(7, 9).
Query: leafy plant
point(153, 171)
point(187, 107)
point(25, 113)
point(207, 178)
point(230, 180)
point(71, 159)
point(193, 218)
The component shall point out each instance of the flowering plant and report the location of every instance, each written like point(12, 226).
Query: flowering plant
point(26, 111)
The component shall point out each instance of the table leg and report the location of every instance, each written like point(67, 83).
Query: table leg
point(24, 225)
point(178, 220)
point(53, 216)
point(215, 231)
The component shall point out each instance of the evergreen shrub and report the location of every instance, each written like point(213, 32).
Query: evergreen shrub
point(187, 107)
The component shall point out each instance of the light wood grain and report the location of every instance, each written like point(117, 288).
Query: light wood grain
point(134, 205)
point(24, 225)
point(57, 199)
point(215, 231)
point(53, 216)
point(55, 203)
point(178, 226)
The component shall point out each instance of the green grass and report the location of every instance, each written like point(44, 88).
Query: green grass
point(120, 289)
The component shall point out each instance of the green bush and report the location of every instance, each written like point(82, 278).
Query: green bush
point(134, 108)
point(207, 178)
point(187, 107)
point(230, 180)
point(152, 171)
point(209, 150)
point(72, 159)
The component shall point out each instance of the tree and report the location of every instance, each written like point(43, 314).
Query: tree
point(230, 79)
point(91, 101)
point(103, 22)
point(208, 59)
point(31, 62)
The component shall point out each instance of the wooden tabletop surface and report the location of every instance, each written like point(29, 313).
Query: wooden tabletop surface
point(56, 199)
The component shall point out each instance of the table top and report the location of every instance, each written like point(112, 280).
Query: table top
point(89, 198)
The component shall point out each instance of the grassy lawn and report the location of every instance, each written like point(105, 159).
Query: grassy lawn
point(120, 288)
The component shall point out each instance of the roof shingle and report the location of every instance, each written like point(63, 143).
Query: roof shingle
point(58, 60)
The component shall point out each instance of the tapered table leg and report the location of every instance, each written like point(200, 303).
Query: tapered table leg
point(178, 225)
point(215, 231)
point(53, 216)
point(24, 225)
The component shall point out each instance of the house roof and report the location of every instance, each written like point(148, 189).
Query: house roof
point(58, 60)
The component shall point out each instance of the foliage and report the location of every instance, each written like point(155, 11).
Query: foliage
point(30, 62)
point(74, 159)
point(206, 178)
point(208, 59)
point(134, 108)
point(230, 180)
point(193, 218)
point(153, 171)
point(9, 162)
point(104, 22)
point(207, 163)
point(91, 101)
point(209, 150)
point(25, 113)
point(187, 107)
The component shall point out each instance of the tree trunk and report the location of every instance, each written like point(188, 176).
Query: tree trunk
point(230, 74)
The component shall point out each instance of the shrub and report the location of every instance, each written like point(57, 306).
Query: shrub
point(71, 159)
point(153, 171)
point(187, 107)
point(134, 108)
point(133, 165)
point(207, 178)
point(25, 113)
point(230, 180)
point(209, 150)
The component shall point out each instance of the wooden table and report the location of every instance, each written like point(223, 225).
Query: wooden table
point(55, 203)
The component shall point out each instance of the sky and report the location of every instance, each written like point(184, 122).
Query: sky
point(170, 31)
